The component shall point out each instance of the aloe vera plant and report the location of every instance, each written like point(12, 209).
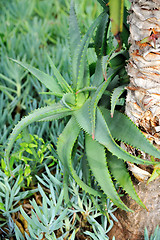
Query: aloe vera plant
point(80, 101)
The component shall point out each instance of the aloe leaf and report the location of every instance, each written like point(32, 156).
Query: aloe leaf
point(93, 104)
point(98, 76)
point(123, 129)
point(80, 67)
point(68, 100)
point(54, 111)
point(100, 34)
point(97, 161)
point(44, 78)
point(115, 95)
point(74, 32)
point(103, 134)
point(119, 171)
point(87, 89)
point(65, 146)
point(103, 3)
point(62, 82)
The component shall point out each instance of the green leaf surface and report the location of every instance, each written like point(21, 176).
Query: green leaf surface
point(54, 111)
point(68, 100)
point(115, 95)
point(50, 82)
point(97, 161)
point(103, 134)
point(98, 75)
point(93, 104)
point(122, 128)
point(119, 171)
point(100, 34)
point(80, 66)
point(103, 3)
point(62, 82)
point(74, 31)
point(65, 146)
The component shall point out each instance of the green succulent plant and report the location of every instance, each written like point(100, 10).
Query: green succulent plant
point(154, 236)
point(79, 102)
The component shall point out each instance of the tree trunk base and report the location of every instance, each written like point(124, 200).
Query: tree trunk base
point(130, 225)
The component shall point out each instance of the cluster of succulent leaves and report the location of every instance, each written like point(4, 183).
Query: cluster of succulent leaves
point(57, 221)
point(80, 105)
point(154, 236)
point(80, 102)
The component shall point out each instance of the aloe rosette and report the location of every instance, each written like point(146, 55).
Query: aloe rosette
point(106, 159)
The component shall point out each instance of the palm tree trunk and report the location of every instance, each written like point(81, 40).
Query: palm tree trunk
point(143, 107)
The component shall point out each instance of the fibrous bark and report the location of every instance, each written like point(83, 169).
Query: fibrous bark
point(143, 107)
point(143, 98)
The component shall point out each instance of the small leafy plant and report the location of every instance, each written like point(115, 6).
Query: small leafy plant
point(80, 104)
point(154, 236)
point(51, 219)
point(10, 195)
point(30, 156)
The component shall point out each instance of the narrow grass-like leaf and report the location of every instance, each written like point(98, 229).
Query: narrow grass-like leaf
point(97, 161)
point(122, 128)
point(44, 78)
point(119, 171)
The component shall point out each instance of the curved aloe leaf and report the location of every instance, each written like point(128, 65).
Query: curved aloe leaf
point(54, 111)
point(44, 78)
point(68, 100)
point(98, 75)
point(62, 82)
point(74, 31)
point(103, 134)
point(115, 95)
point(80, 67)
point(119, 171)
point(100, 34)
point(122, 128)
point(65, 146)
point(97, 162)
point(93, 104)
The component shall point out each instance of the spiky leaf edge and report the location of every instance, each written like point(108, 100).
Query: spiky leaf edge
point(97, 162)
point(103, 135)
point(123, 129)
point(120, 173)
point(55, 111)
